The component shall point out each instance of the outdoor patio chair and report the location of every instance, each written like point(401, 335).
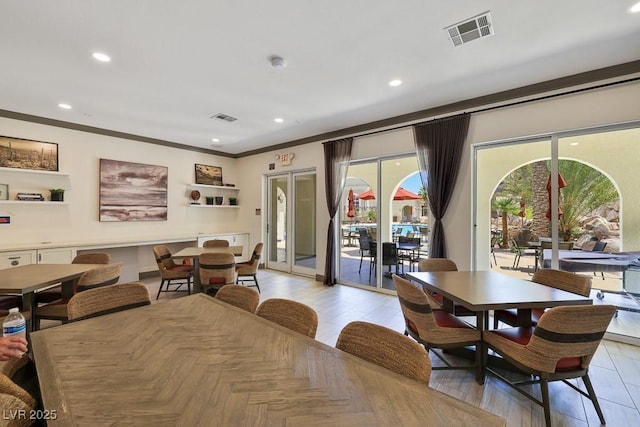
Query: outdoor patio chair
point(368, 250)
point(560, 347)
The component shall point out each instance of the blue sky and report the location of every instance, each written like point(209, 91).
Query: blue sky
point(412, 183)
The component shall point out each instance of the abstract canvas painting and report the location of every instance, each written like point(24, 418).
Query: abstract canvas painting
point(26, 154)
point(132, 191)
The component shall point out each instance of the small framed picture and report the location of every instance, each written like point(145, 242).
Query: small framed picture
point(209, 175)
point(4, 191)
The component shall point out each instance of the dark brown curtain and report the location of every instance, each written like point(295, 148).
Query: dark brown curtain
point(337, 155)
point(439, 147)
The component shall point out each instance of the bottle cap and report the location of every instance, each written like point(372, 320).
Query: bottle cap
point(14, 310)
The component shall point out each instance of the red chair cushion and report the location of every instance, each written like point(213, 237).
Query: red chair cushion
point(447, 320)
point(510, 315)
point(523, 334)
point(217, 281)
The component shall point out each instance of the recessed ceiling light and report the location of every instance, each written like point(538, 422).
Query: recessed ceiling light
point(574, 143)
point(215, 140)
point(635, 8)
point(64, 106)
point(278, 120)
point(102, 57)
point(395, 83)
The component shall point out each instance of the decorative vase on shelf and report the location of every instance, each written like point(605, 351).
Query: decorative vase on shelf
point(233, 201)
point(219, 200)
point(57, 194)
point(209, 200)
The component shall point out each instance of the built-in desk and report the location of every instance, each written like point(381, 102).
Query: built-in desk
point(136, 254)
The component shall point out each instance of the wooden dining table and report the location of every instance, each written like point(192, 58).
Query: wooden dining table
point(27, 280)
point(483, 291)
point(195, 252)
point(199, 361)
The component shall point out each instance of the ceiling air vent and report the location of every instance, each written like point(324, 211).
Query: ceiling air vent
point(470, 29)
point(224, 117)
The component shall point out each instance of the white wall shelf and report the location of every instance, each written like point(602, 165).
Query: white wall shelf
point(217, 187)
point(31, 202)
point(34, 171)
point(214, 206)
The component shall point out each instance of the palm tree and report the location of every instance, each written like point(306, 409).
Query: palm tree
point(586, 190)
point(505, 206)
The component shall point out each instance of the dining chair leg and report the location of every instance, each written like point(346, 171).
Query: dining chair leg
point(544, 391)
point(593, 398)
point(160, 288)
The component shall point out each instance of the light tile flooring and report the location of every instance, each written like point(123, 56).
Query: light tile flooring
point(615, 370)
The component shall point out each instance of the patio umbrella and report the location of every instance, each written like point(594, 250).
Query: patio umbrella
point(351, 212)
point(367, 195)
point(561, 184)
point(402, 194)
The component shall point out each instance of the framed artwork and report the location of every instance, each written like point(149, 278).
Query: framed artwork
point(25, 154)
point(132, 191)
point(4, 191)
point(209, 175)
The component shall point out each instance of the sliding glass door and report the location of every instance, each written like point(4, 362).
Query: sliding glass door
point(551, 202)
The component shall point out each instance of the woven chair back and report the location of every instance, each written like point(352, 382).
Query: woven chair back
point(217, 265)
point(416, 308)
point(291, 314)
point(568, 331)
point(163, 258)
point(563, 280)
point(92, 258)
point(13, 397)
point(239, 296)
point(387, 348)
point(437, 264)
point(107, 299)
point(99, 276)
point(216, 243)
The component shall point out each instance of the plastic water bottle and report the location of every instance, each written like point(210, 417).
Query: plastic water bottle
point(14, 324)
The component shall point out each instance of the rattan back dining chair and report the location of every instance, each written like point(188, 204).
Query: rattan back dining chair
point(14, 399)
point(248, 270)
point(442, 264)
point(171, 274)
point(239, 296)
point(387, 348)
point(216, 271)
point(291, 314)
point(436, 329)
point(558, 279)
point(108, 274)
point(560, 347)
point(216, 243)
point(107, 299)
point(55, 293)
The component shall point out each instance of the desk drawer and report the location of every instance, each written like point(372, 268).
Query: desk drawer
point(14, 259)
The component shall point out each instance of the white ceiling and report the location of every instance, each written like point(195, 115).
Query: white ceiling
point(176, 63)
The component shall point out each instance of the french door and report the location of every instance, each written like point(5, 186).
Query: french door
point(291, 222)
